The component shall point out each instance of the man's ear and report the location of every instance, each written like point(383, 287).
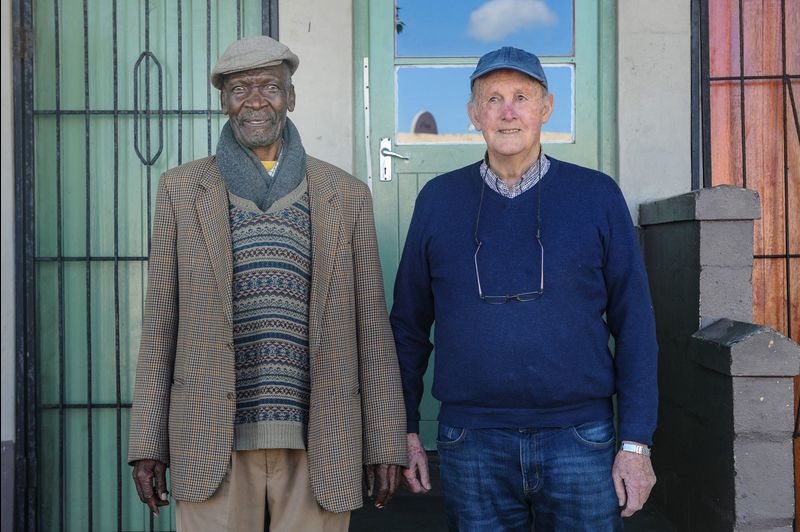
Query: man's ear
point(473, 115)
point(547, 108)
point(223, 105)
point(290, 99)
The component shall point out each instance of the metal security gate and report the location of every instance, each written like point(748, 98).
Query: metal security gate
point(109, 94)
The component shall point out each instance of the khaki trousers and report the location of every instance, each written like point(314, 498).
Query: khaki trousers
point(261, 481)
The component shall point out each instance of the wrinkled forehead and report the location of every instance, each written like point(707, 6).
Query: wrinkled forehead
point(276, 72)
point(507, 79)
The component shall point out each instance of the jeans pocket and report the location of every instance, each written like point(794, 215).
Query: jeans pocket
point(595, 434)
point(449, 436)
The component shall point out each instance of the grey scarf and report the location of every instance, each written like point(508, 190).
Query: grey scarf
point(245, 176)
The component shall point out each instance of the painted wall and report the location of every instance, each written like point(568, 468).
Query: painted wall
point(7, 224)
point(320, 33)
point(654, 99)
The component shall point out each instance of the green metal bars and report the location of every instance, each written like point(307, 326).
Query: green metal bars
point(121, 93)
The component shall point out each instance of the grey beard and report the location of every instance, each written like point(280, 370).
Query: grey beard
point(261, 139)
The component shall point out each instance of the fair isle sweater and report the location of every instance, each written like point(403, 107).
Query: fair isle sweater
point(271, 286)
point(542, 363)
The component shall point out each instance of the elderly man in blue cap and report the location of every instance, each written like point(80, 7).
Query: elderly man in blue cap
point(527, 264)
point(267, 375)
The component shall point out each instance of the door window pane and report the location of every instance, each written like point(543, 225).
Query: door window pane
point(432, 105)
point(470, 28)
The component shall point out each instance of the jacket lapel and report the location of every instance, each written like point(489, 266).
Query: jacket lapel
point(326, 226)
point(212, 210)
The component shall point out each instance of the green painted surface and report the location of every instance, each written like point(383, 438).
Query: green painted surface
point(96, 200)
point(594, 145)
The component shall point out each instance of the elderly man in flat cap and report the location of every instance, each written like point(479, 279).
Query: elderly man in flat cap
point(267, 374)
point(527, 264)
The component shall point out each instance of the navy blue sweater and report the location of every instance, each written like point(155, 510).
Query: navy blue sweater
point(542, 363)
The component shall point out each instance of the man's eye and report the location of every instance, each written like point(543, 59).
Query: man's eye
point(273, 89)
point(238, 89)
point(493, 99)
point(521, 98)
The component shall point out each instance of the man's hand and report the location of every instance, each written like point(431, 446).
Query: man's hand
point(388, 478)
point(416, 476)
point(151, 483)
point(633, 479)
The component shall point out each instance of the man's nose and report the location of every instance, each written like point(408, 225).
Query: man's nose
point(508, 111)
point(256, 100)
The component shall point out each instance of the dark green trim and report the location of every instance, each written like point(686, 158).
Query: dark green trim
point(607, 129)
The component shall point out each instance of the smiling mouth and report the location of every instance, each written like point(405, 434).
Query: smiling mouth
point(508, 131)
point(257, 123)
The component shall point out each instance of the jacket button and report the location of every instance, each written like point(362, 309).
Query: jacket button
point(230, 346)
point(230, 396)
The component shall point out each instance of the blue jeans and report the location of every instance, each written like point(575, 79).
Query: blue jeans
point(513, 479)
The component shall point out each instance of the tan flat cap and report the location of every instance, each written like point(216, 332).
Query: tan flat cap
point(252, 52)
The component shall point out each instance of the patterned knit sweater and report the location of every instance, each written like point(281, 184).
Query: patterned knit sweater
point(271, 286)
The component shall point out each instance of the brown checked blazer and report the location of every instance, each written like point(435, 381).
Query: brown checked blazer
point(184, 399)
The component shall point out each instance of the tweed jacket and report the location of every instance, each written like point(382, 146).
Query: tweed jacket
point(184, 397)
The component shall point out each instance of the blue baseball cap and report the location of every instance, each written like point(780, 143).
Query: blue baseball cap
point(513, 59)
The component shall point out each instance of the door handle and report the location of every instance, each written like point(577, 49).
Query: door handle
point(386, 152)
point(386, 158)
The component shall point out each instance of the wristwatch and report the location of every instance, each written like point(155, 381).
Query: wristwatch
point(635, 448)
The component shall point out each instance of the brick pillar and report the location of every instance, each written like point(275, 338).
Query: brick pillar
point(723, 447)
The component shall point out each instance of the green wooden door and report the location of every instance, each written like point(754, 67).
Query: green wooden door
point(415, 57)
point(121, 94)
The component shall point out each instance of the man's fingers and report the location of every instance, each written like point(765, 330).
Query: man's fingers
point(146, 494)
point(369, 477)
point(637, 492)
point(396, 478)
point(145, 473)
point(143, 478)
point(410, 480)
point(633, 479)
point(416, 480)
point(383, 485)
point(424, 476)
point(161, 483)
point(619, 487)
point(416, 476)
point(632, 504)
point(388, 481)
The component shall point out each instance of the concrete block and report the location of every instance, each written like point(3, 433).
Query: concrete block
point(726, 243)
point(725, 293)
point(723, 202)
point(763, 527)
point(763, 405)
point(764, 481)
point(745, 349)
point(760, 527)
